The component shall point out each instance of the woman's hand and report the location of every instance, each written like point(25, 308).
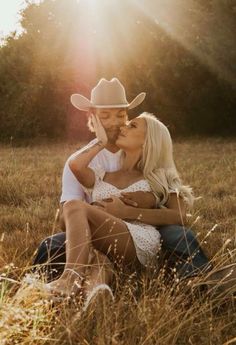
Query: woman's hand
point(113, 206)
point(99, 130)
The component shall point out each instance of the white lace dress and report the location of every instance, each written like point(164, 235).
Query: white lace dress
point(146, 237)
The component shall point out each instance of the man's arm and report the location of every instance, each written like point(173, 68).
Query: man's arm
point(139, 199)
point(174, 213)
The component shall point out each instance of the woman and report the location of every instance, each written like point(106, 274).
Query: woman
point(147, 165)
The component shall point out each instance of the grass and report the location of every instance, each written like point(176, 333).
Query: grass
point(149, 311)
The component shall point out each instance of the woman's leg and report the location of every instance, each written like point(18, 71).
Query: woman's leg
point(87, 225)
point(100, 272)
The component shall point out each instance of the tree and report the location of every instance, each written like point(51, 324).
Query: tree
point(175, 51)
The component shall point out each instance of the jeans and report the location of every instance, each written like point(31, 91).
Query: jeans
point(183, 251)
point(179, 245)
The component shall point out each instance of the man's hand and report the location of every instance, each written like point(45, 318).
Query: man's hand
point(139, 199)
point(113, 206)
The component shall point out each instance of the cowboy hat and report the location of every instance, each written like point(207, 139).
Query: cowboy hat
point(106, 94)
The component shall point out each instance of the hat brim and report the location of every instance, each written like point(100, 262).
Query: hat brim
point(82, 103)
point(137, 101)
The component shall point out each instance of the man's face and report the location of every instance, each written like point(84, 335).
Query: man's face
point(112, 120)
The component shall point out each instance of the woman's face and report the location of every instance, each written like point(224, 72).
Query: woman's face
point(132, 136)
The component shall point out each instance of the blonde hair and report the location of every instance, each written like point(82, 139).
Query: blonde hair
point(157, 162)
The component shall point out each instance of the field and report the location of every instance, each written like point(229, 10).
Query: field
point(161, 313)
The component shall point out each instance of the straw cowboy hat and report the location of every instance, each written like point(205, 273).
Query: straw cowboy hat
point(106, 94)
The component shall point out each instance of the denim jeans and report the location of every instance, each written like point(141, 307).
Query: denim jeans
point(183, 251)
point(179, 246)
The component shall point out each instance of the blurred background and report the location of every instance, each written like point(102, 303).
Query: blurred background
point(181, 52)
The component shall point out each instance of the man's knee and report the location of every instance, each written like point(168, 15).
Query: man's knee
point(176, 233)
point(49, 246)
point(178, 238)
point(180, 243)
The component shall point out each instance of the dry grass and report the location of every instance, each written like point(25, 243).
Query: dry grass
point(150, 312)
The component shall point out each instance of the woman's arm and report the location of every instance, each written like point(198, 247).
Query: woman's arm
point(174, 213)
point(79, 164)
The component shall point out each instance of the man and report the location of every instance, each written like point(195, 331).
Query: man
point(109, 103)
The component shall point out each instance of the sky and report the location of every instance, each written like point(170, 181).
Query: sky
point(9, 16)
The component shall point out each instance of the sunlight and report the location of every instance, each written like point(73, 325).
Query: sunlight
point(9, 16)
point(99, 16)
point(183, 20)
point(93, 2)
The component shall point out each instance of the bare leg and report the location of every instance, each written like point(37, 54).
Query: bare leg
point(87, 225)
point(100, 272)
point(77, 248)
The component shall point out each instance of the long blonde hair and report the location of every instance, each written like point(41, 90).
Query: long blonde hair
point(157, 162)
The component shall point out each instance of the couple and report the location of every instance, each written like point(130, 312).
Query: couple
point(121, 196)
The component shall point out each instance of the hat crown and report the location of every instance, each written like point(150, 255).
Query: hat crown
point(108, 93)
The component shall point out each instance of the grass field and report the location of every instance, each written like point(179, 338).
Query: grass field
point(30, 183)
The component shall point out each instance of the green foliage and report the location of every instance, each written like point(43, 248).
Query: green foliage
point(186, 64)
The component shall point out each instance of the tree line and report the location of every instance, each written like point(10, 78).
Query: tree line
point(183, 57)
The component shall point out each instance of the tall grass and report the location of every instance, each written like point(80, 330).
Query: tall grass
point(148, 309)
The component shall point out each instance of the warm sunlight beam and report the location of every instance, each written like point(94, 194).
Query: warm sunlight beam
point(101, 32)
point(183, 20)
